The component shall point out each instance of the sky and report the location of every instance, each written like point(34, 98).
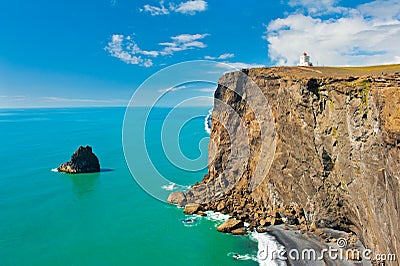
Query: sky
point(99, 52)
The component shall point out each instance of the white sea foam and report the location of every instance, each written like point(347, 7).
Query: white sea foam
point(267, 247)
point(175, 187)
point(237, 256)
point(54, 170)
point(207, 122)
point(169, 187)
point(267, 244)
point(216, 216)
point(192, 220)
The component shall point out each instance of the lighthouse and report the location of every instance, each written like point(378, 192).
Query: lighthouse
point(304, 60)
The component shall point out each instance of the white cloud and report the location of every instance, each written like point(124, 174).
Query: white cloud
point(191, 7)
point(173, 89)
point(221, 57)
point(188, 37)
point(187, 8)
point(226, 56)
point(237, 65)
point(126, 49)
point(321, 7)
point(155, 10)
point(364, 35)
point(183, 42)
point(389, 10)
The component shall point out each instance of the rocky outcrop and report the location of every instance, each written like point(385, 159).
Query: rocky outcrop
point(192, 208)
point(177, 198)
point(239, 231)
point(333, 153)
point(82, 161)
point(230, 225)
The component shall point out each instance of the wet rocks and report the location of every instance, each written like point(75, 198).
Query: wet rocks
point(239, 231)
point(229, 225)
point(192, 208)
point(262, 229)
point(82, 161)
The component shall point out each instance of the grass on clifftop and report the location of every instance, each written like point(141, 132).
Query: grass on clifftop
point(364, 70)
point(328, 71)
point(354, 71)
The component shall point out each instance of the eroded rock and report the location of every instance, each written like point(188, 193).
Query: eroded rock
point(230, 225)
point(82, 161)
point(177, 198)
point(239, 231)
point(192, 208)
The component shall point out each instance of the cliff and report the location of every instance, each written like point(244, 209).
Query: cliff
point(320, 145)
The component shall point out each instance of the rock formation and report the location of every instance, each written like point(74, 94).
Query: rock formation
point(336, 162)
point(177, 198)
point(82, 161)
point(192, 208)
point(230, 225)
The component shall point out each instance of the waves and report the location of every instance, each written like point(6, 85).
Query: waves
point(267, 244)
point(237, 256)
point(175, 187)
point(191, 221)
point(267, 247)
point(195, 220)
point(216, 217)
point(54, 170)
point(208, 122)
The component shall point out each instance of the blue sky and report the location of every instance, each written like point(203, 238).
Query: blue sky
point(97, 52)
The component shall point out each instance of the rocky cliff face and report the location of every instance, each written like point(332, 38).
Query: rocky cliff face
point(333, 153)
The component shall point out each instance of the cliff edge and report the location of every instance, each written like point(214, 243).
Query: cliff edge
point(334, 158)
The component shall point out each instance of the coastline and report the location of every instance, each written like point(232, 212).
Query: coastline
point(326, 168)
point(279, 245)
point(301, 241)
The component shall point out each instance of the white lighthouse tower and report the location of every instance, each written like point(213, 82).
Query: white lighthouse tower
point(304, 60)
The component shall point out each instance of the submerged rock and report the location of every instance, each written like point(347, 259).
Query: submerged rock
point(82, 161)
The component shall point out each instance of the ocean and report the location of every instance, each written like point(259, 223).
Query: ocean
point(51, 218)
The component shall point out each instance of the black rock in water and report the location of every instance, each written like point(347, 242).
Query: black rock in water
point(82, 161)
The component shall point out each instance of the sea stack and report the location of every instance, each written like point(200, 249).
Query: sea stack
point(82, 161)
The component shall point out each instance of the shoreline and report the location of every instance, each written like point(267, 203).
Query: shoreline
point(296, 240)
point(277, 244)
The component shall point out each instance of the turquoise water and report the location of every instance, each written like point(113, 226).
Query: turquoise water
point(50, 218)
